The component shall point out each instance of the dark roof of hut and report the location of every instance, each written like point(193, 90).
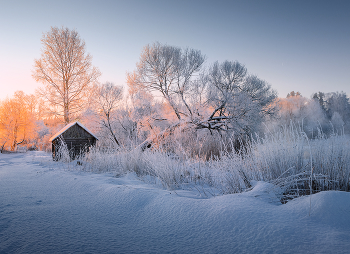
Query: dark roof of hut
point(69, 126)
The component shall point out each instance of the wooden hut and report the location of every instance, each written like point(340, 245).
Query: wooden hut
point(76, 137)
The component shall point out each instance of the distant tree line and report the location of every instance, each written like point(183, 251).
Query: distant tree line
point(323, 113)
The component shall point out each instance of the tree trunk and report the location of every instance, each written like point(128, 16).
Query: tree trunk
point(111, 131)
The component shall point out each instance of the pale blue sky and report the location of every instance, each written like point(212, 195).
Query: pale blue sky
point(294, 45)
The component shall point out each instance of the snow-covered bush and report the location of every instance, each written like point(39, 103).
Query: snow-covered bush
point(101, 159)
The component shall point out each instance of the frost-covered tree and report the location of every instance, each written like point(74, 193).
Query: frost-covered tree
point(66, 72)
point(338, 110)
point(223, 98)
point(240, 101)
point(17, 121)
point(143, 113)
point(337, 122)
point(320, 98)
point(318, 115)
point(293, 94)
point(169, 71)
point(338, 102)
point(107, 98)
point(336, 107)
point(292, 108)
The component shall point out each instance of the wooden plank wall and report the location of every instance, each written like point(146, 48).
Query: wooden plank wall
point(77, 139)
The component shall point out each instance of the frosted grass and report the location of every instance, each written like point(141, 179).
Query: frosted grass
point(286, 159)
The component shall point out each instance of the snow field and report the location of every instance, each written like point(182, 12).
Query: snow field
point(46, 208)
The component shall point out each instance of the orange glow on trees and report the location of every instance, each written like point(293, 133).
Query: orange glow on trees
point(17, 121)
point(224, 99)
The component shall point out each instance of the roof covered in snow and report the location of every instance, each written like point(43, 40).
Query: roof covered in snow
point(69, 126)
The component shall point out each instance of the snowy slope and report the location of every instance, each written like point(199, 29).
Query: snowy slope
point(46, 209)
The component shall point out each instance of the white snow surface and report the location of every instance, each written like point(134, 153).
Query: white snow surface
point(48, 209)
point(67, 127)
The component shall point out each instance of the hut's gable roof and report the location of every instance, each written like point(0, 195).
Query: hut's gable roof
point(69, 126)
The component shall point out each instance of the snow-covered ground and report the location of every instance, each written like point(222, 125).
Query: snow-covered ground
point(45, 208)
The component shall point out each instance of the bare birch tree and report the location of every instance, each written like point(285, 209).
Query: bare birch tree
point(65, 70)
point(108, 97)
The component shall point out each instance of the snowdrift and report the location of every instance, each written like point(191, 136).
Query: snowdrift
point(45, 209)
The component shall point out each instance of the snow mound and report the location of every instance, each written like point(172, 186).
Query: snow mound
point(265, 191)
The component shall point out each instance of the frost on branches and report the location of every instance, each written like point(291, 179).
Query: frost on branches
point(223, 99)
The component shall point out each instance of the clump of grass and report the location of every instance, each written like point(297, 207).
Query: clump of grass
point(100, 159)
point(301, 166)
point(62, 153)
